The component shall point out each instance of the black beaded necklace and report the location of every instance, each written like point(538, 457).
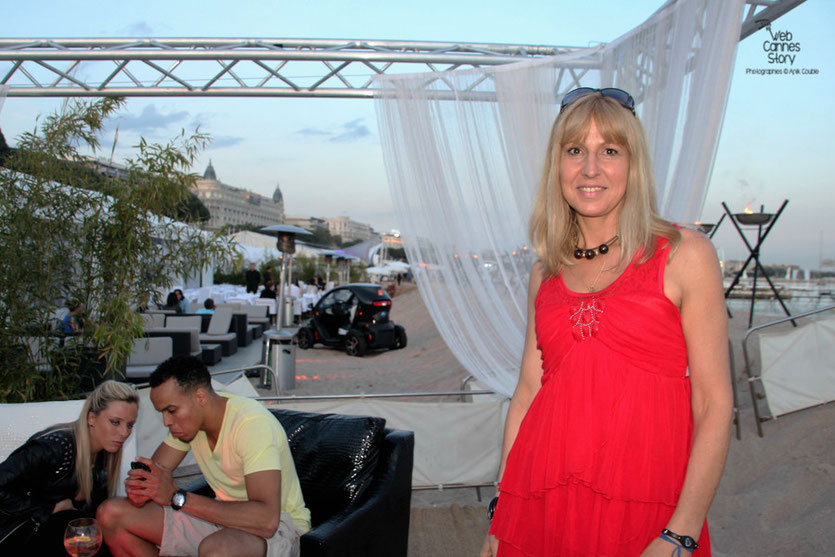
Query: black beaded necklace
point(603, 248)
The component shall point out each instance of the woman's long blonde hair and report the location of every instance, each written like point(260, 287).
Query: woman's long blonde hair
point(553, 225)
point(98, 400)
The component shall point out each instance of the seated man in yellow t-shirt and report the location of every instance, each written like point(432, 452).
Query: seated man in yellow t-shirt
point(243, 453)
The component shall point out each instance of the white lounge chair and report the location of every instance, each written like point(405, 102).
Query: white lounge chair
point(218, 332)
point(189, 324)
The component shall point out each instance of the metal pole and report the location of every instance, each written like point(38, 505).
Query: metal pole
point(282, 280)
point(756, 254)
point(715, 228)
point(362, 396)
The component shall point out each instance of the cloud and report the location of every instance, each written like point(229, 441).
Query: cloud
point(139, 29)
point(349, 131)
point(312, 131)
point(225, 141)
point(151, 119)
point(354, 130)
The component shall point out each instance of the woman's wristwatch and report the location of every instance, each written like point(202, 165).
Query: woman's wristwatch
point(686, 541)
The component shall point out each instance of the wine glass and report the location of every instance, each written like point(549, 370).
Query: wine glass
point(82, 538)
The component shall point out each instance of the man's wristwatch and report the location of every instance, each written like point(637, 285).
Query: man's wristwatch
point(178, 499)
point(686, 541)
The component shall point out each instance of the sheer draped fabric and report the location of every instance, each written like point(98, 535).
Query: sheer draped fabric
point(464, 150)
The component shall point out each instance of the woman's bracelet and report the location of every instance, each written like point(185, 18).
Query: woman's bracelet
point(491, 508)
point(685, 543)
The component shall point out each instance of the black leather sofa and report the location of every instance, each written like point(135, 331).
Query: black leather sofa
point(356, 478)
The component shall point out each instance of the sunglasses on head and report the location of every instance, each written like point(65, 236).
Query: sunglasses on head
point(621, 96)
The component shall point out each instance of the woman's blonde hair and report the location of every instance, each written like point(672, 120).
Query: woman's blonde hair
point(98, 400)
point(553, 225)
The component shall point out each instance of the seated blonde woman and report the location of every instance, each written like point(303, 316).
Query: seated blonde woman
point(64, 472)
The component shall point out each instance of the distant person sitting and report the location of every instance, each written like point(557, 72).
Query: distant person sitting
point(75, 320)
point(253, 279)
point(172, 303)
point(243, 453)
point(208, 306)
point(71, 323)
point(183, 302)
point(268, 291)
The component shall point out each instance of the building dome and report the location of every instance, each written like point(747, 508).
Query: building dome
point(210, 172)
point(278, 197)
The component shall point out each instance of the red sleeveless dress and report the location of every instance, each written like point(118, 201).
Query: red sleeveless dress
point(600, 457)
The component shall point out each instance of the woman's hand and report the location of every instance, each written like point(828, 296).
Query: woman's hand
point(490, 547)
point(661, 548)
point(64, 505)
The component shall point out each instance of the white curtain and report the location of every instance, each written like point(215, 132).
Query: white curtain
point(463, 151)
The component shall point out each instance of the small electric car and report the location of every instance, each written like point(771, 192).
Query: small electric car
point(354, 317)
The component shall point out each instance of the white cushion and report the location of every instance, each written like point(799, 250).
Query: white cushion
point(255, 312)
point(150, 351)
point(221, 320)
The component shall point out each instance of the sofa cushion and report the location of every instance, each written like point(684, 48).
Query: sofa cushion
point(336, 457)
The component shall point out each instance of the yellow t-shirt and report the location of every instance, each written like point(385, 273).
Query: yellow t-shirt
point(251, 440)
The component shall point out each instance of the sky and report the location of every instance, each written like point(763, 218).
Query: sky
point(325, 153)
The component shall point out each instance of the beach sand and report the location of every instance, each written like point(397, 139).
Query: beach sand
point(777, 495)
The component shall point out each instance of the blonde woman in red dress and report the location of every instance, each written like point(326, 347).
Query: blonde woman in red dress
point(619, 426)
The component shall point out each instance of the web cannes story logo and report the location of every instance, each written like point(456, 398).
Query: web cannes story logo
point(780, 47)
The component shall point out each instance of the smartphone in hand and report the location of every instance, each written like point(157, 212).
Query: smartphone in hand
point(136, 465)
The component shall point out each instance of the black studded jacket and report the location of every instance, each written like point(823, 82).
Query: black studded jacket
point(41, 472)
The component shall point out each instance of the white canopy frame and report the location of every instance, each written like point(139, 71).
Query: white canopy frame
point(474, 264)
point(258, 67)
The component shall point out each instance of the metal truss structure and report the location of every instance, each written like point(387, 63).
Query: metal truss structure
point(259, 67)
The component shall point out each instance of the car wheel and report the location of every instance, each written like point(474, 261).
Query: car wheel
point(304, 339)
point(355, 345)
point(400, 339)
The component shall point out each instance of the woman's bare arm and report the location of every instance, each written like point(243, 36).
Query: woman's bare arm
point(694, 282)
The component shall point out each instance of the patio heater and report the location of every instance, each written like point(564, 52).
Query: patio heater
point(328, 261)
point(342, 265)
point(757, 221)
point(287, 246)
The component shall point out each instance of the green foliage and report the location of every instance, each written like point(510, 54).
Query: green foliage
point(232, 228)
point(231, 277)
point(191, 210)
point(305, 268)
point(69, 233)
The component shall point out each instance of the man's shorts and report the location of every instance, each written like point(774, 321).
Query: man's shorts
point(182, 534)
